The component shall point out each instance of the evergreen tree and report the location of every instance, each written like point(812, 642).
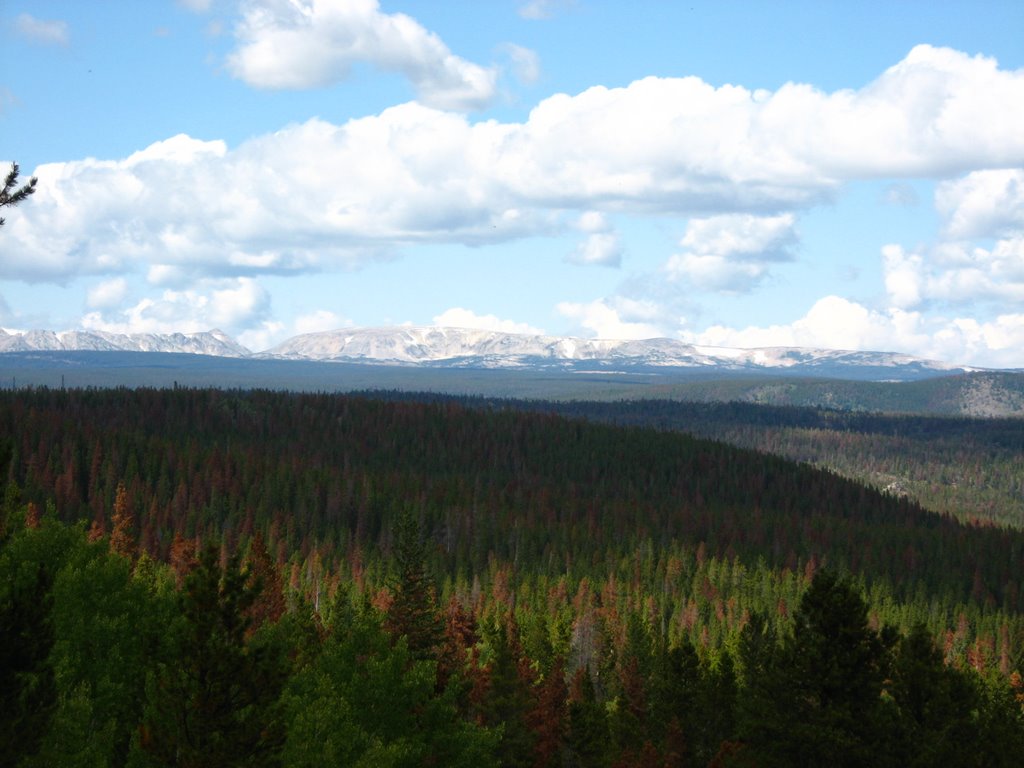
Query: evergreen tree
point(216, 701)
point(819, 700)
point(29, 562)
point(509, 698)
point(629, 723)
point(28, 695)
point(12, 194)
point(109, 622)
point(588, 737)
point(937, 705)
point(365, 701)
point(547, 717)
point(676, 696)
point(1001, 723)
point(720, 696)
point(122, 537)
point(413, 611)
point(265, 580)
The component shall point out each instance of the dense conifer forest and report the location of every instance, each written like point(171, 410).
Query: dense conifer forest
point(966, 467)
point(206, 577)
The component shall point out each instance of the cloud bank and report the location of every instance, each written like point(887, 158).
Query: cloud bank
point(315, 193)
point(200, 219)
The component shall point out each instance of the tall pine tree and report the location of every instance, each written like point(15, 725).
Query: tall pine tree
point(413, 611)
point(216, 703)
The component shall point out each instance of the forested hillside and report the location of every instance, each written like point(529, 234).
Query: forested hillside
point(966, 467)
point(422, 583)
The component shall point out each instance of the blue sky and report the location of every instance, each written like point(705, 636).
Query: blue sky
point(845, 175)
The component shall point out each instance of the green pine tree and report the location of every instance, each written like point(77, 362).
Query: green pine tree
point(216, 701)
point(818, 700)
point(413, 612)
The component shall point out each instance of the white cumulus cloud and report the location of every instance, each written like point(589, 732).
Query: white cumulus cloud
point(320, 320)
point(956, 274)
point(459, 317)
point(614, 318)
point(108, 293)
point(738, 163)
point(231, 305)
point(982, 204)
point(602, 246)
point(302, 44)
point(837, 323)
point(732, 252)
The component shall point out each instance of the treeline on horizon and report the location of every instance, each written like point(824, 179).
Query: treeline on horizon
point(576, 564)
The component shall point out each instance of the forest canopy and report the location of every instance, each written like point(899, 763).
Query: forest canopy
point(283, 579)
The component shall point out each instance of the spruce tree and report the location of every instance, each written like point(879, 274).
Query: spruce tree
point(413, 612)
point(216, 703)
point(509, 697)
point(818, 701)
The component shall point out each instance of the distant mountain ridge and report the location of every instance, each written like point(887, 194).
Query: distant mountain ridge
point(214, 342)
point(441, 347)
point(462, 347)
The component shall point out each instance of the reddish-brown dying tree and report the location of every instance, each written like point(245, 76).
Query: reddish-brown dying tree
point(122, 538)
point(269, 604)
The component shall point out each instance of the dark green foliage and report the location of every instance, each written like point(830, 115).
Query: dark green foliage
point(818, 700)
point(215, 701)
point(630, 717)
point(938, 706)
point(109, 624)
point(28, 695)
point(355, 696)
point(693, 704)
point(1001, 725)
point(29, 563)
point(508, 700)
point(965, 467)
point(413, 611)
point(588, 738)
point(11, 194)
point(367, 701)
point(8, 505)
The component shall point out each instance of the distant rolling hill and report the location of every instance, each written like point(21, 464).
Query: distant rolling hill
point(980, 393)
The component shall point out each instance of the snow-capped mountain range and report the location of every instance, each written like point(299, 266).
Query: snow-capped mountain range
point(215, 342)
point(432, 346)
point(469, 348)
